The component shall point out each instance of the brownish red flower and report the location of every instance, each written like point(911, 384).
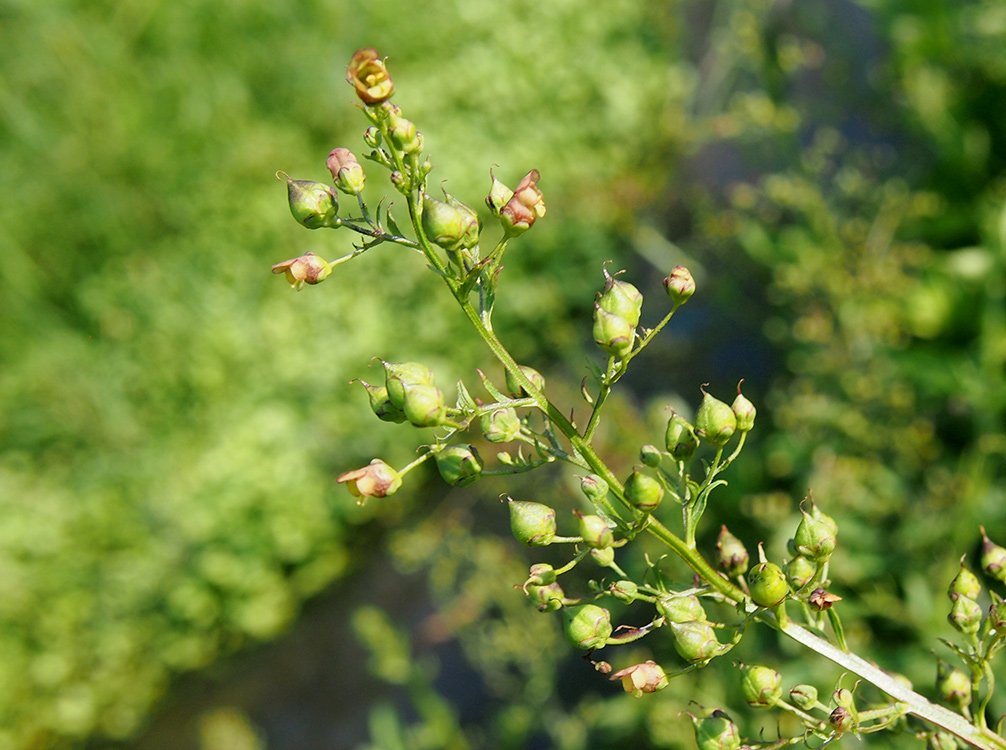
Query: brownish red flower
point(369, 76)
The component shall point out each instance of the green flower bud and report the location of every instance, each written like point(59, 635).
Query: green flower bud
point(402, 132)
point(677, 608)
point(424, 405)
point(622, 299)
point(767, 584)
point(499, 195)
point(815, 537)
point(804, 696)
point(346, 171)
point(613, 333)
point(381, 405)
point(648, 677)
point(369, 76)
point(517, 390)
point(540, 574)
point(603, 556)
point(595, 532)
point(744, 411)
point(716, 732)
point(587, 626)
point(312, 204)
point(965, 584)
point(679, 285)
point(399, 375)
point(532, 523)
point(715, 421)
point(965, 615)
point(307, 269)
point(452, 225)
point(799, 572)
point(547, 598)
point(643, 491)
point(696, 641)
point(993, 558)
point(459, 465)
point(843, 697)
point(761, 686)
point(624, 591)
point(680, 439)
point(953, 685)
point(732, 556)
point(650, 456)
point(595, 488)
point(500, 425)
point(372, 137)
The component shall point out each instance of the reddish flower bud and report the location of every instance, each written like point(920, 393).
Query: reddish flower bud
point(679, 285)
point(525, 206)
point(647, 677)
point(376, 479)
point(307, 269)
point(346, 171)
point(369, 76)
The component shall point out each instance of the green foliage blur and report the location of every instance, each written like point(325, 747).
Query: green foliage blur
point(173, 415)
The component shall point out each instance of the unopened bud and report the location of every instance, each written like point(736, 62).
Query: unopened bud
point(799, 572)
point(547, 598)
point(346, 171)
point(459, 465)
point(715, 421)
point(540, 574)
point(313, 204)
point(744, 411)
point(603, 556)
point(613, 333)
point(647, 677)
point(401, 374)
point(696, 641)
point(369, 76)
point(965, 615)
point(450, 224)
point(679, 285)
point(804, 696)
point(681, 608)
point(499, 195)
point(815, 537)
point(680, 439)
point(500, 425)
point(595, 488)
point(732, 555)
point(767, 584)
point(307, 269)
point(643, 491)
point(621, 298)
point(624, 591)
point(525, 206)
point(761, 686)
point(532, 523)
point(424, 405)
point(517, 390)
point(381, 404)
point(953, 685)
point(587, 626)
point(595, 532)
point(650, 456)
point(993, 558)
point(402, 132)
point(372, 137)
point(716, 732)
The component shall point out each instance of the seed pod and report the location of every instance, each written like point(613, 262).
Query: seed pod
point(643, 491)
point(744, 411)
point(761, 686)
point(587, 626)
point(548, 598)
point(500, 425)
point(716, 732)
point(732, 556)
point(424, 405)
point(965, 615)
point(685, 608)
point(595, 532)
point(767, 584)
point(799, 572)
point(517, 390)
point(540, 574)
point(381, 404)
point(804, 696)
point(532, 523)
point(993, 558)
point(399, 375)
point(313, 204)
point(613, 333)
point(715, 421)
point(815, 537)
point(452, 225)
point(622, 299)
point(952, 685)
point(595, 488)
point(965, 584)
point(459, 465)
point(624, 591)
point(680, 439)
point(696, 641)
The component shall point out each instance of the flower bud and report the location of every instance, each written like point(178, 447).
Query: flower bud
point(402, 132)
point(376, 479)
point(313, 204)
point(595, 488)
point(965, 584)
point(696, 641)
point(799, 572)
point(548, 598)
point(680, 439)
point(624, 591)
point(603, 556)
point(965, 615)
point(517, 390)
point(500, 425)
point(804, 696)
point(372, 137)
point(459, 465)
point(647, 677)
point(613, 333)
point(595, 532)
point(643, 491)
point(399, 375)
point(650, 456)
point(532, 523)
point(622, 299)
point(744, 411)
point(679, 285)
point(678, 608)
point(524, 207)
point(452, 225)
point(587, 626)
point(540, 574)
point(369, 76)
point(767, 584)
point(732, 556)
point(307, 269)
point(993, 558)
point(716, 732)
point(346, 171)
point(815, 537)
point(424, 405)
point(715, 421)
point(499, 195)
point(997, 614)
point(952, 685)
point(381, 405)
point(761, 686)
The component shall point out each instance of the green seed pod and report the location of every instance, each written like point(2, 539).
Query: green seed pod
point(424, 405)
point(587, 626)
point(622, 299)
point(532, 523)
point(997, 613)
point(643, 491)
point(499, 195)
point(679, 285)
point(459, 465)
point(799, 572)
point(398, 375)
point(500, 425)
point(804, 696)
point(595, 532)
point(695, 641)
point(744, 411)
point(624, 591)
point(732, 556)
point(993, 558)
point(680, 439)
point(603, 556)
point(715, 421)
point(685, 608)
point(952, 685)
point(767, 584)
point(547, 598)
point(595, 488)
point(452, 225)
point(381, 405)
point(843, 697)
point(761, 686)
point(815, 537)
point(402, 132)
point(716, 732)
point(312, 204)
point(965, 615)
point(650, 456)
point(613, 333)
point(965, 584)
point(517, 390)
point(540, 574)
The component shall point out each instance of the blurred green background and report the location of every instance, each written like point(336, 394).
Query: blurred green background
point(177, 568)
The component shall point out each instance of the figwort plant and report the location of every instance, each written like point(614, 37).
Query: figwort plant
point(790, 596)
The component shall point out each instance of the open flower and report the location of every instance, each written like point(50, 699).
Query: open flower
point(307, 269)
point(376, 479)
point(647, 677)
point(369, 77)
point(525, 205)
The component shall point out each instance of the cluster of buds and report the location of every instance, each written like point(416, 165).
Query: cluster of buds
point(408, 394)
